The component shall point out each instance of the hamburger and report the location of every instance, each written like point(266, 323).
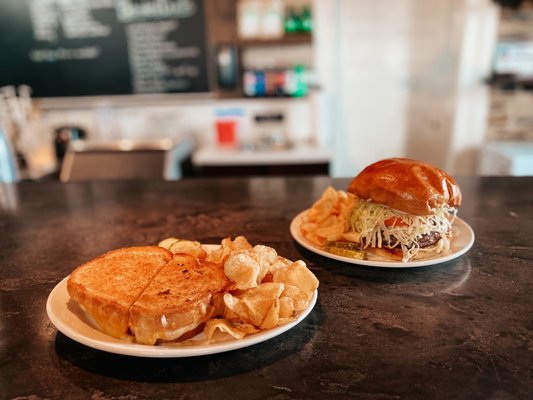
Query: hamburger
point(403, 209)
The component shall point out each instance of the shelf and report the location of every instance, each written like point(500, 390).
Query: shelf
point(297, 38)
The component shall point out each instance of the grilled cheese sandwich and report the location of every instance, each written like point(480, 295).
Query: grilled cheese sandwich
point(147, 293)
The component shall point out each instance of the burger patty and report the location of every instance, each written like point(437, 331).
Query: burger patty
point(426, 240)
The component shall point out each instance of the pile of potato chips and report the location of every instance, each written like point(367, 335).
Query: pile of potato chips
point(326, 220)
point(267, 290)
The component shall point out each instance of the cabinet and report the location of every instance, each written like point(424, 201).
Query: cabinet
point(303, 160)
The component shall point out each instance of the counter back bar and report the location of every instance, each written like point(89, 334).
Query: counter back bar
point(462, 329)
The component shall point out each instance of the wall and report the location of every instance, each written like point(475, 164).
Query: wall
point(404, 78)
point(171, 116)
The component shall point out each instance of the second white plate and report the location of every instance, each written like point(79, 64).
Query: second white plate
point(462, 242)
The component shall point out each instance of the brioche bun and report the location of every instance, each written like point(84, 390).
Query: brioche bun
point(406, 185)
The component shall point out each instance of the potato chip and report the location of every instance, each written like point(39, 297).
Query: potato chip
point(280, 262)
point(222, 325)
point(242, 269)
point(286, 307)
point(331, 233)
point(308, 227)
point(166, 243)
point(241, 243)
point(327, 219)
point(218, 304)
point(254, 305)
point(300, 299)
point(193, 248)
point(230, 315)
point(324, 206)
point(228, 246)
point(298, 275)
point(248, 328)
point(219, 255)
point(265, 256)
point(272, 317)
point(315, 239)
point(351, 236)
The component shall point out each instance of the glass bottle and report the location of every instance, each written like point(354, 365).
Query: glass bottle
point(306, 20)
point(292, 21)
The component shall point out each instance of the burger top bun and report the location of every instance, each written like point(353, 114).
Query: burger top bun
point(406, 185)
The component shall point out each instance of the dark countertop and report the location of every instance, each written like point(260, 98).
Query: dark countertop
point(462, 329)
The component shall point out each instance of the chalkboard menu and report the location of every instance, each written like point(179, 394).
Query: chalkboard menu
point(103, 47)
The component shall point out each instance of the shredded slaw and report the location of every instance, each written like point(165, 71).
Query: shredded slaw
point(368, 219)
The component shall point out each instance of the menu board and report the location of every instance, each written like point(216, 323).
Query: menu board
point(103, 47)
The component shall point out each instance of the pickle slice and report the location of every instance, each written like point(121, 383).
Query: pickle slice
point(346, 249)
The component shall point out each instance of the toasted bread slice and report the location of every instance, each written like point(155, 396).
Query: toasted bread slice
point(177, 300)
point(107, 286)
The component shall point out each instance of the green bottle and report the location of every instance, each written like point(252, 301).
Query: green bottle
point(301, 82)
point(292, 21)
point(306, 20)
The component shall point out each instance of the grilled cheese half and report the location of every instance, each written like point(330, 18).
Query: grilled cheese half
point(146, 294)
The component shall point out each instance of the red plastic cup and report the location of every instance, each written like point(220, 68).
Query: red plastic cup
point(226, 132)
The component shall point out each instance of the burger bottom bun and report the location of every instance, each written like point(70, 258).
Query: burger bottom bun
point(396, 254)
point(380, 254)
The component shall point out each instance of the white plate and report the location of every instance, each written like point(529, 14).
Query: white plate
point(69, 319)
point(462, 241)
